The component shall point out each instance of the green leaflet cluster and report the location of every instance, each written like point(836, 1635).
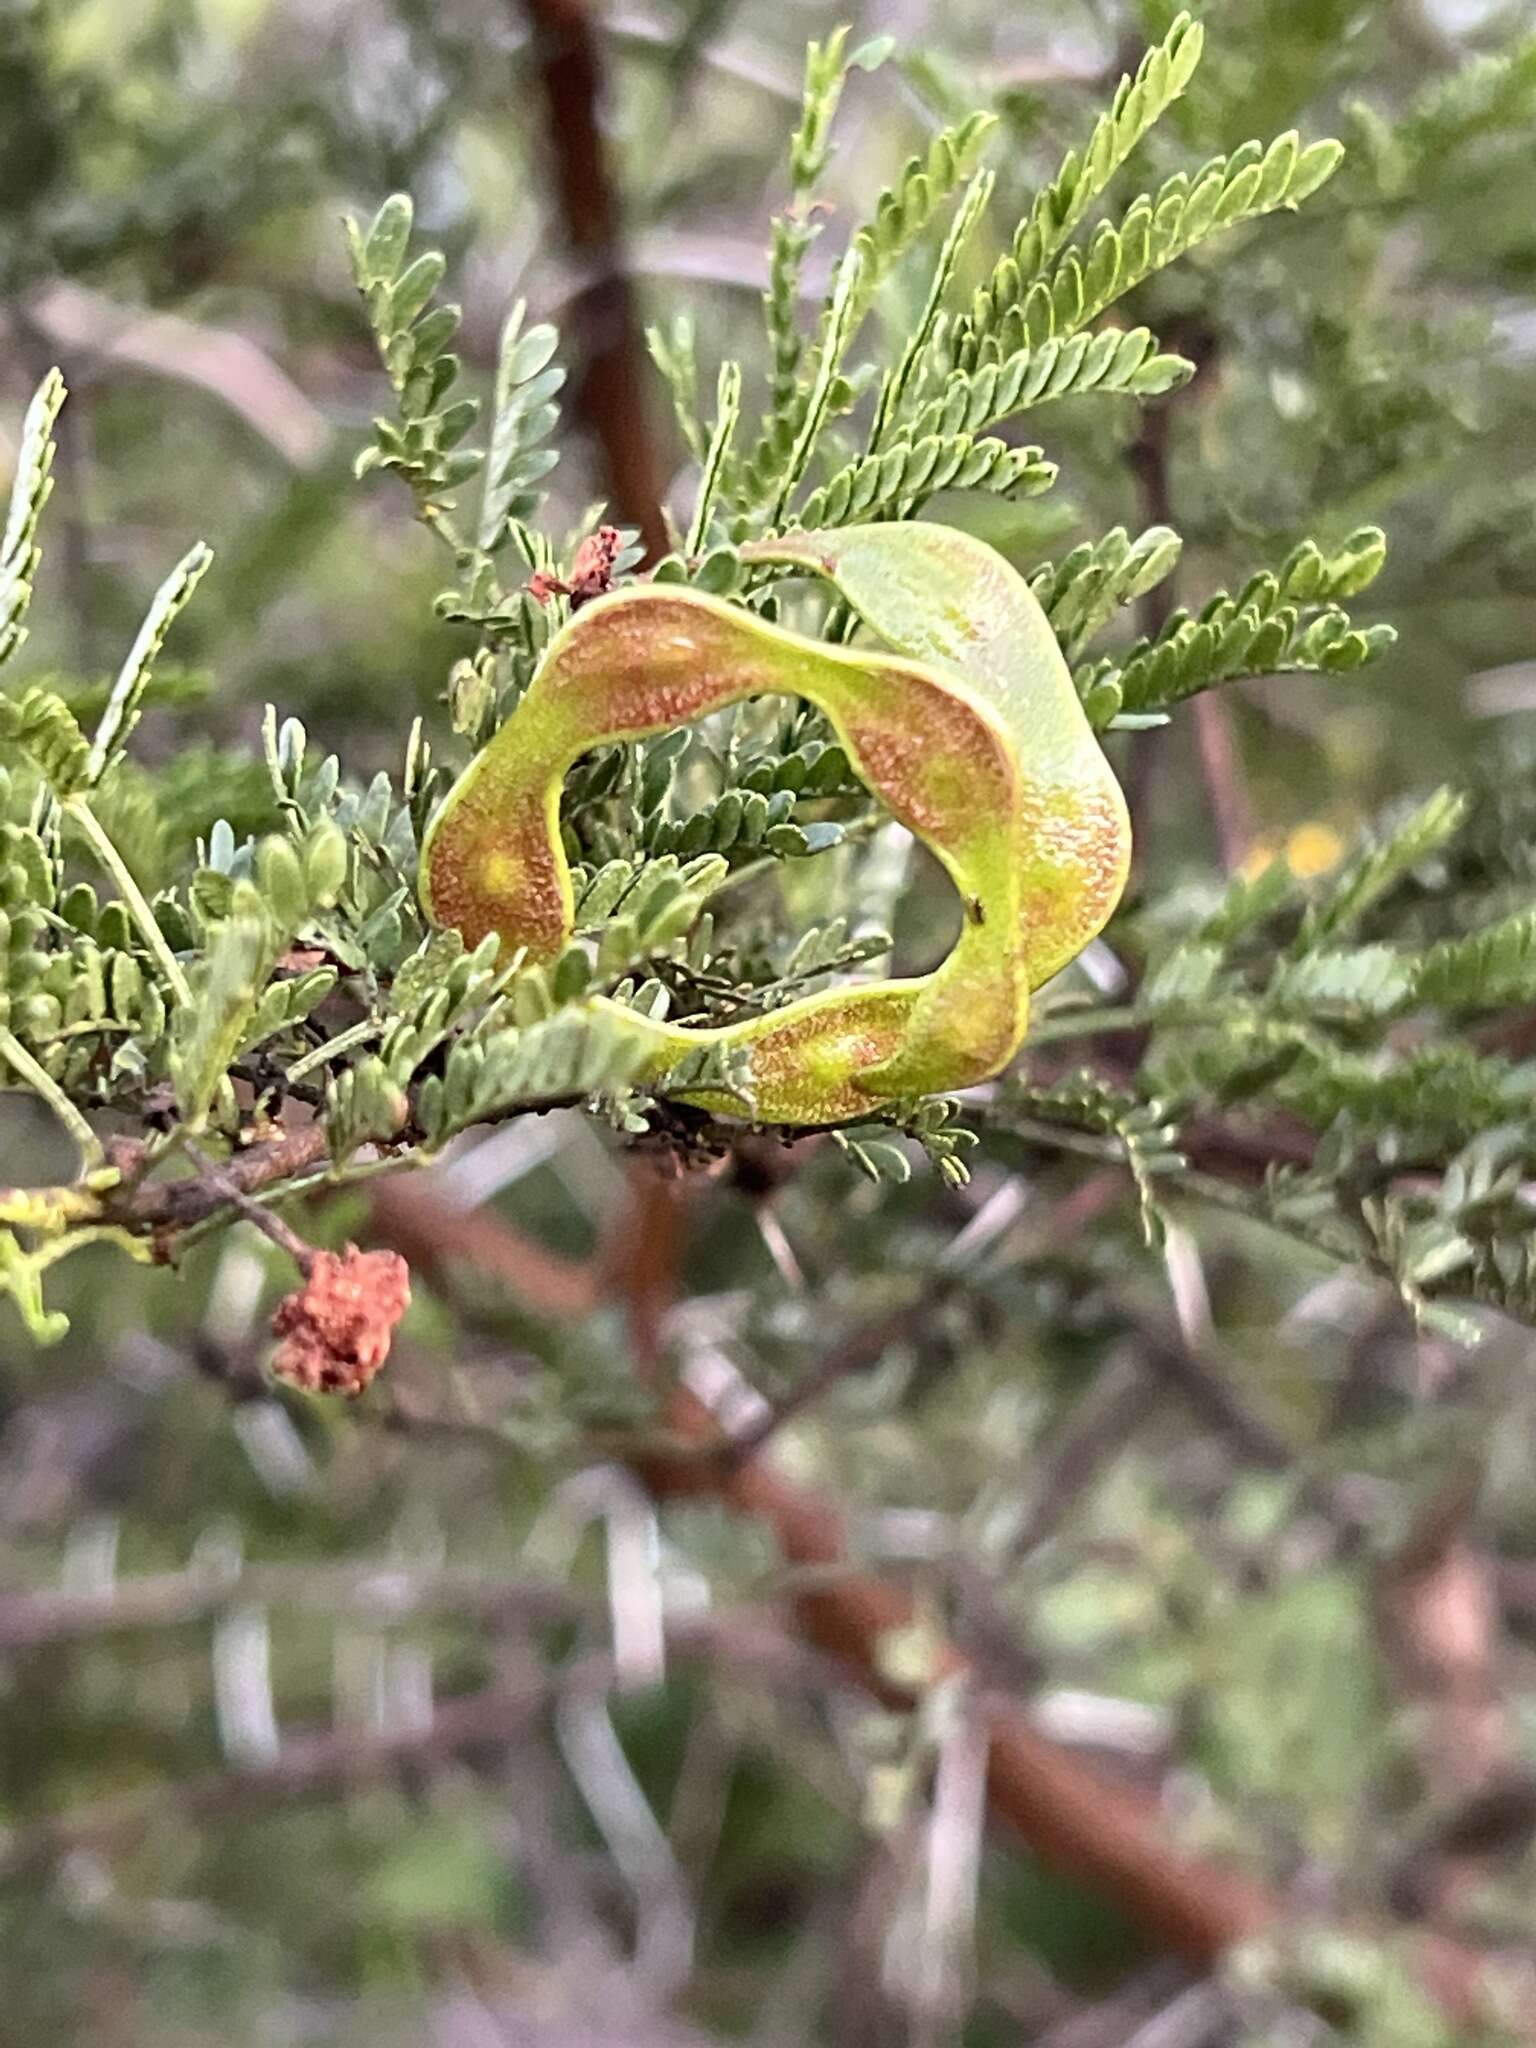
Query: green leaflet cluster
point(827, 67)
point(564, 1058)
point(237, 1001)
point(1126, 360)
point(44, 732)
point(425, 447)
point(936, 1126)
point(1018, 311)
point(807, 388)
point(667, 799)
point(1082, 593)
point(30, 489)
point(897, 483)
point(904, 211)
point(1474, 1236)
point(1139, 1129)
point(1319, 977)
point(1025, 337)
point(414, 337)
point(1140, 100)
point(77, 991)
point(1284, 620)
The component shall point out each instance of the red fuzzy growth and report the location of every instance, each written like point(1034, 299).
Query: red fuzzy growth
point(336, 1328)
point(591, 571)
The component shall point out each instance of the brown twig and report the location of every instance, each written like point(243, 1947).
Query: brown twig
point(1071, 1816)
point(271, 1226)
point(163, 1208)
point(171, 1205)
point(336, 1760)
point(1211, 1398)
point(411, 1213)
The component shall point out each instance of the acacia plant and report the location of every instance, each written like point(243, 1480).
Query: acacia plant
point(302, 1007)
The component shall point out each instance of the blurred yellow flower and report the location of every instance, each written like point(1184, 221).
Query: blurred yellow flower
point(1312, 849)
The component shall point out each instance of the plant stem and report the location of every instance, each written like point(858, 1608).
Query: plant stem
point(344, 1041)
point(42, 1083)
point(281, 1234)
point(1086, 1023)
point(1201, 1187)
point(133, 896)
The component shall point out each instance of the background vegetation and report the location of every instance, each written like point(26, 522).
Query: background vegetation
point(1191, 1463)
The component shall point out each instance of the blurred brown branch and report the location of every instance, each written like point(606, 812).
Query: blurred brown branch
point(1075, 1819)
point(603, 318)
